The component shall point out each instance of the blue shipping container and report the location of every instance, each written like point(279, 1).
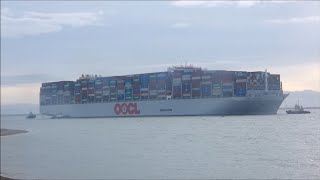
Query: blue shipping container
point(226, 87)
point(177, 89)
point(120, 96)
point(144, 85)
point(240, 92)
point(136, 90)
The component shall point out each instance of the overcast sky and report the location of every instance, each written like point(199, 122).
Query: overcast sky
point(51, 41)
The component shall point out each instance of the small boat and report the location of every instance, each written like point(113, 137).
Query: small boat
point(298, 110)
point(31, 116)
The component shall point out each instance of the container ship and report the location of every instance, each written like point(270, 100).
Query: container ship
point(179, 91)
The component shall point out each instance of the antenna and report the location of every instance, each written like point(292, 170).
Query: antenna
point(286, 104)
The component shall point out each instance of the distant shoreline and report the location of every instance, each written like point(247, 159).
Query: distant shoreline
point(5, 178)
point(279, 108)
point(303, 108)
point(8, 132)
point(16, 114)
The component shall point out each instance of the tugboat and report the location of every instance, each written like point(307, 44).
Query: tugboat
point(298, 110)
point(31, 116)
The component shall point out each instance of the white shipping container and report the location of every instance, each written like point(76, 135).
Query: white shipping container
point(227, 90)
point(196, 78)
point(162, 75)
point(206, 77)
point(241, 80)
point(216, 93)
point(176, 81)
point(144, 89)
point(176, 84)
point(153, 91)
point(206, 82)
point(106, 92)
point(227, 84)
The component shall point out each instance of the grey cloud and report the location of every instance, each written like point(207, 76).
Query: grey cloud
point(242, 4)
point(181, 25)
point(295, 20)
point(34, 23)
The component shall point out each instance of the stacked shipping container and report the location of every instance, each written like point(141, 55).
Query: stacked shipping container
point(153, 86)
point(256, 80)
point(240, 85)
point(136, 87)
point(106, 89)
point(128, 88)
point(161, 85)
point(206, 84)
point(144, 86)
point(195, 83)
point(113, 89)
point(91, 91)
point(228, 79)
point(186, 83)
point(120, 89)
point(181, 83)
point(62, 92)
point(216, 83)
point(176, 84)
point(274, 82)
point(98, 90)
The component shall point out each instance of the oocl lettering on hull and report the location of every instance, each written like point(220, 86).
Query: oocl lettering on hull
point(126, 108)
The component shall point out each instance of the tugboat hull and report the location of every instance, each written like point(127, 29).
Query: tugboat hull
point(298, 112)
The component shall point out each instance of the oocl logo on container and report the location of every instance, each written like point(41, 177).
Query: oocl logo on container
point(126, 108)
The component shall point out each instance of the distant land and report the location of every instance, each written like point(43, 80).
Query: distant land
point(8, 109)
point(306, 98)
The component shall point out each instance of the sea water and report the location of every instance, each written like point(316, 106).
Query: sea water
point(196, 147)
